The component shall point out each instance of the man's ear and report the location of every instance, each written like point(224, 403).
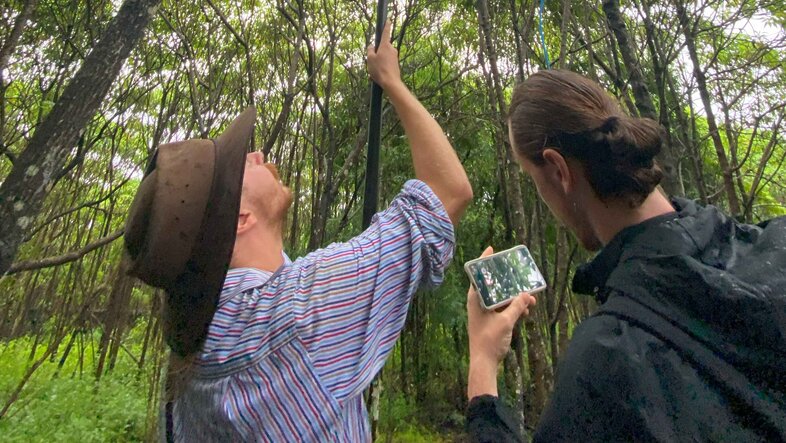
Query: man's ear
point(245, 220)
point(559, 171)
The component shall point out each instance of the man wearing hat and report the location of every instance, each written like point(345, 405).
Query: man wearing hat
point(263, 349)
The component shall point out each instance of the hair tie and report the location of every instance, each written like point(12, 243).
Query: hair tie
point(609, 125)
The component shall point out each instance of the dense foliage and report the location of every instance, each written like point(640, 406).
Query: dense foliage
point(80, 346)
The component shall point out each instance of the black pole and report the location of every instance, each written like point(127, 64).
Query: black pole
point(374, 126)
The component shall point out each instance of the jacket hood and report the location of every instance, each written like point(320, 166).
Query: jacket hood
point(721, 281)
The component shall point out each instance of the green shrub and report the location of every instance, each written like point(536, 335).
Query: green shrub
point(69, 405)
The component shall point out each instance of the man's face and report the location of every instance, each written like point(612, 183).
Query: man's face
point(567, 210)
point(263, 193)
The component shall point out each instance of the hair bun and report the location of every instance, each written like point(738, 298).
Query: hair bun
point(557, 109)
point(632, 142)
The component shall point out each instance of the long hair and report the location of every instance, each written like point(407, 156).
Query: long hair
point(562, 110)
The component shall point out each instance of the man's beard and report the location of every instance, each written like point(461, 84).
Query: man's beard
point(288, 199)
point(272, 209)
point(273, 170)
point(278, 215)
point(283, 208)
point(279, 208)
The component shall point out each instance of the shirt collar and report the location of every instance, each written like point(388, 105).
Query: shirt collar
point(239, 280)
point(591, 277)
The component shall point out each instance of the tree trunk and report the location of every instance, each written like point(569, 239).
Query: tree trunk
point(289, 93)
point(114, 318)
point(10, 44)
point(35, 172)
point(641, 94)
point(563, 40)
point(514, 201)
point(701, 84)
point(660, 70)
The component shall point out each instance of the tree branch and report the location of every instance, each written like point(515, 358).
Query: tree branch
point(30, 265)
point(92, 203)
point(246, 49)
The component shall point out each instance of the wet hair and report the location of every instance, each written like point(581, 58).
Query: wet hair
point(564, 111)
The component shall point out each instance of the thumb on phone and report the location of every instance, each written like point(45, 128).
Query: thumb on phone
point(518, 307)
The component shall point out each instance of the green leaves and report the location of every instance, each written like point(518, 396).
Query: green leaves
point(190, 75)
point(67, 405)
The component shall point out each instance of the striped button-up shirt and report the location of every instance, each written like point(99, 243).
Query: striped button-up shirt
point(289, 353)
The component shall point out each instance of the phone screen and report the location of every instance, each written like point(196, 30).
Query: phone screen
point(502, 276)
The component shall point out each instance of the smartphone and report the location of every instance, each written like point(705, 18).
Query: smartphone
point(502, 276)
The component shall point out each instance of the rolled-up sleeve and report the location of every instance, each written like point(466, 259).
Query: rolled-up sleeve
point(352, 298)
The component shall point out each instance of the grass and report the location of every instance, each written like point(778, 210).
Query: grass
point(69, 406)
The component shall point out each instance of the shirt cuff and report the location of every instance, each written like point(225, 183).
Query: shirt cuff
point(489, 420)
point(434, 224)
point(425, 196)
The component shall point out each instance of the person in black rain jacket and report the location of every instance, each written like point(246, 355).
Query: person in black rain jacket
point(689, 341)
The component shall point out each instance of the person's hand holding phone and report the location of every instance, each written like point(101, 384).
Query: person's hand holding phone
point(490, 333)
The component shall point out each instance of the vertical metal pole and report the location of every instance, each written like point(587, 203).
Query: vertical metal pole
point(371, 195)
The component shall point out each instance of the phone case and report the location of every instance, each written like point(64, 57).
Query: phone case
point(491, 257)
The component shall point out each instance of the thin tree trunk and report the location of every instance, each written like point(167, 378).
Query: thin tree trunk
point(115, 316)
point(686, 133)
point(289, 93)
point(563, 42)
point(660, 70)
point(10, 44)
point(641, 94)
point(149, 330)
point(769, 150)
point(701, 84)
point(515, 202)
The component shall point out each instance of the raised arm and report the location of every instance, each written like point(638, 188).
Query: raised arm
point(434, 159)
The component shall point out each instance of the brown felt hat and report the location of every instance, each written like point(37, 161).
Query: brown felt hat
point(181, 227)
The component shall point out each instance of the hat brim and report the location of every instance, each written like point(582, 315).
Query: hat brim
point(193, 298)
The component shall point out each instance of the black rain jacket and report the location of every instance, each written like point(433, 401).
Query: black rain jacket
point(689, 342)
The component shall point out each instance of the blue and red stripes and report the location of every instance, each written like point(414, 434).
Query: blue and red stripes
point(289, 354)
